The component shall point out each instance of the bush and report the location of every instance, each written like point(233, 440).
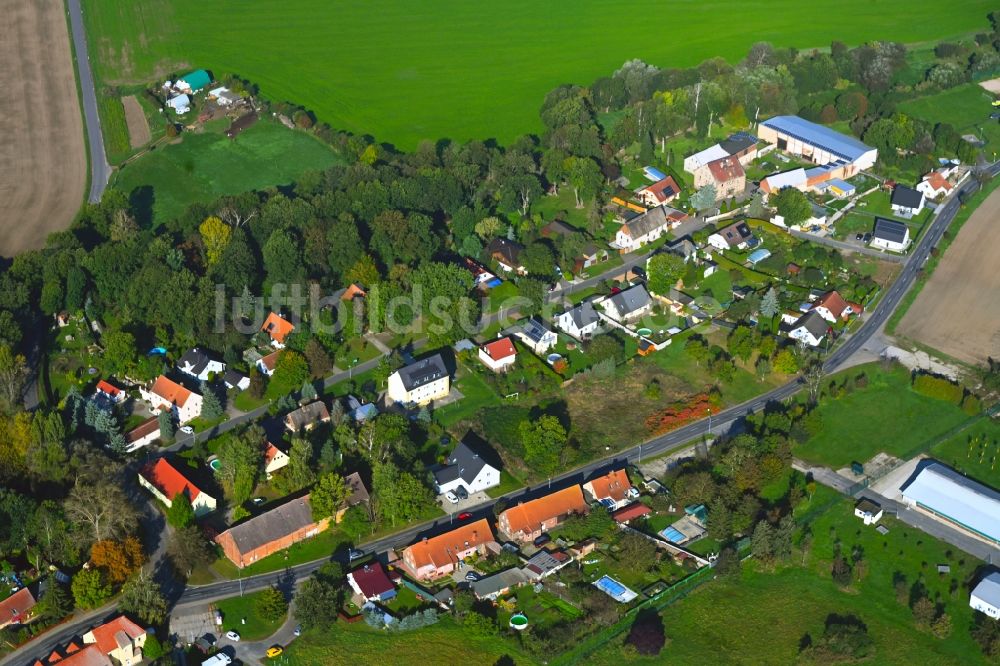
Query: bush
point(971, 404)
point(938, 388)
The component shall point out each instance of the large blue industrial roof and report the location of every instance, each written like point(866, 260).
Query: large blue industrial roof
point(958, 498)
point(833, 142)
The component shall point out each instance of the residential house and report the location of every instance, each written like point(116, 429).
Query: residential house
point(590, 255)
point(17, 608)
point(683, 248)
point(267, 364)
point(544, 563)
point(234, 379)
point(121, 640)
point(868, 511)
point(580, 322)
point(742, 146)
point(371, 583)
point(613, 490)
point(906, 201)
point(200, 365)
point(934, 185)
point(648, 227)
point(110, 392)
point(498, 355)
point(358, 411)
point(433, 557)
point(778, 181)
point(274, 459)
point(536, 336)
point(693, 163)
point(985, 597)
point(270, 532)
point(832, 307)
point(166, 394)
point(817, 143)
point(307, 417)
point(660, 192)
point(810, 329)
point(628, 305)
point(466, 467)
point(357, 494)
point(507, 254)
point(557, 228)
point(630, 512)
point(529, 520)
point(142, 435)
point(166, 481)
point(736, 236)
point(890, 235)
point(491, 588)
point(420, 382)
point(726, 174)
point(277, 328)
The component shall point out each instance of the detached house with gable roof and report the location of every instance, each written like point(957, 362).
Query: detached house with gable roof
point(17, 608)
point(613, 490)
point(277, 328)
point(736, 236)
point(371, 583)
point(166, 482)
point(467, 468)
point(536, 336)
point(580, 322)
point(660, 192)
point(810, 329)
point(832, 307)
point(438, 556)
point(890, 235)
point(166, 394)
point(420, 382)
point(529, 520)
point(628, 305)
point(498, 355)
point(934, 185)
point(906, 201)
point(200, 365)
point(647, 227)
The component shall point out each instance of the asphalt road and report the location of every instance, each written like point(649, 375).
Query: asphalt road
point(847, 247)
point(100, 171)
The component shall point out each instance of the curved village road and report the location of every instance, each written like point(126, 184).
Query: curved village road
point(201, 594)
point(100, 170)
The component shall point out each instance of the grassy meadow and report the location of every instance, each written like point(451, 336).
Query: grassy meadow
point(202, 167)
point(410, 70)
point(966, 107)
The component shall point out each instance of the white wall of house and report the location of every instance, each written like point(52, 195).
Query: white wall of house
point(565, 323)
point(547, 342)
point(803, 334)
point(892, 246)
point(984, 606)
point(213, 367)
point(496, 366)
point(420, 395)
point(488, 477)
point(718, 242)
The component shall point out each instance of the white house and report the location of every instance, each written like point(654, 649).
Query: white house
point(810, 329)
point(906, 201)
point(934, 185)
point(420, 382)
point(110, 392)
point(200, 365)
point(694, 162)
point(181, 104)
point(142, 435)
point(647, 227)
point(737, 235)
point(832, 307)
point(890, 235)
point(274, 459)
point(580, 322)
point(267, 364)
point(868, 511)
point(628, 305)
point(985, 597)
point(498, 355)
point(660, 192)
point(235, 379)
point(536, 337)
point(166, 482)
point(466, 468)
point(168, 394)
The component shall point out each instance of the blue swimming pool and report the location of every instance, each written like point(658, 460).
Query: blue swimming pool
point(614, 589)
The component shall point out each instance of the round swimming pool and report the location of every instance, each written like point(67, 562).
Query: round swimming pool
point(552, 358)
point(215, 464)
point(518, 621)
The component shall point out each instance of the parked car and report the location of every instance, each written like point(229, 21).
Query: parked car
point(465, 515)
point(298, 630)
point(859, 236)
point(462, 493)
point(354, 554)
point(233, 636)
point(472, 576)
point(187, 430)
point(218, 617)
point(451, 497)
point(258, 501)
point(541, 541)
point(274, 651)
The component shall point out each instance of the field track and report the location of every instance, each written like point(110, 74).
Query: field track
point(958, 312)
point(43, 168)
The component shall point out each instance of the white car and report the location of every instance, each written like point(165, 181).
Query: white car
point(187, 430)
point(233, 636)
point(451, 497)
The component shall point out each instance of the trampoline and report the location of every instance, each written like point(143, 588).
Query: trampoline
point(614, 589)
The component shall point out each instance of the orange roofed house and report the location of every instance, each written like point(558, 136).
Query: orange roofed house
point(18, 608)
point(527, 521)
point(121, 639)
point(166, 482)
point(166, 394)
point(277, 328)
point(661, 192)
point(438, 556)
point(832, 307)
point(498, 355)
point(613, 490)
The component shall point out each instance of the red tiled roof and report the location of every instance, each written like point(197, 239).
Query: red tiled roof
point(529, 516)
point(106, 636)
point(270, 452)
point(372, 580)
point(277, 327)
point(146, 427)
point(271, 360)
point(726, 169)
point(613, 485)
point(500, 349)
point(105, 387)
point(168, 480)
point(72, 647)
point(631, 512)
point(54, 657)
point(170, 391)
point(15, 607)
point(664, 190)
point(937, 181)
point(438, 551)
point(88, 656)
point(833, 302)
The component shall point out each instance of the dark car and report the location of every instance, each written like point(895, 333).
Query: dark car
point(541, 541)
point(859, 236)
point(465, 515)
point(462, 493)
point(640, 272)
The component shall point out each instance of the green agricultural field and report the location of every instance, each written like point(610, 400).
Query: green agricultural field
point(409, 70)
point(205, 166)
point(886, 416)
point(967, 108)
point(114, 128)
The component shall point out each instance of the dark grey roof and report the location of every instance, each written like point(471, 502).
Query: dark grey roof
point(233, 377)
point(813, 323)
point(490, 585)
point(272, 525)
point(509, 250)
point(423, 372)
point(632, 299)
point(651, 219)
point(584, 314)
point(738, 142)
point(195, 361)
point(683, 247)
point(890, 230)
point(907, 197)
point(868, 506)
point(463, 463)
point(736, 233)
point(558, 228)
point(544, 562)
point(307, 415)
point(535, 330)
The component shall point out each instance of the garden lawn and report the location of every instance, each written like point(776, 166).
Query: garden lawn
point(442, 643)
point(981, 460)
point(236, 609)
point(467, 70)
point(966, 107)
point(886, 416)
point(202, 167)
point(477, 395)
